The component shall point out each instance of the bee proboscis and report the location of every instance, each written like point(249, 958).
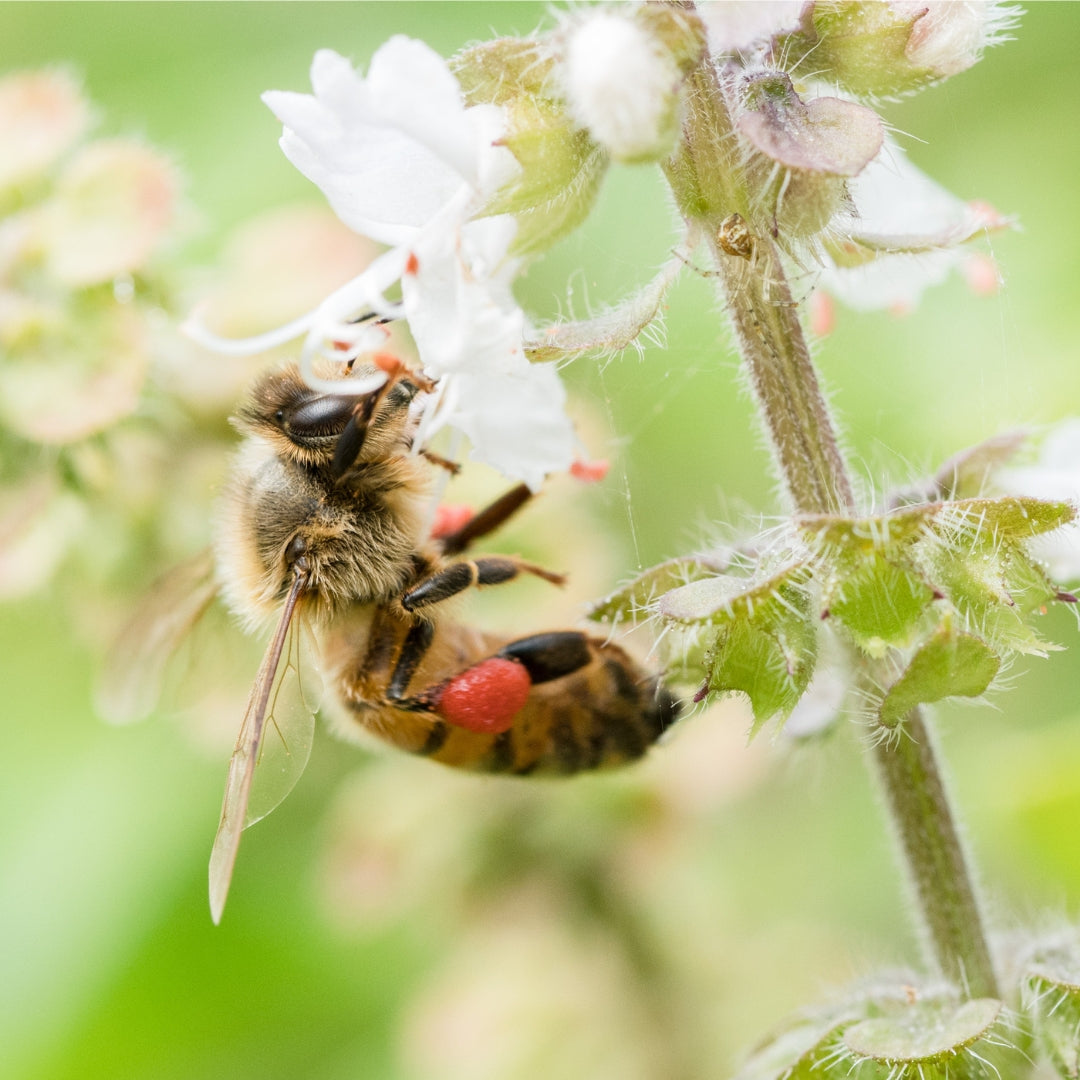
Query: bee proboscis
point(324, 524)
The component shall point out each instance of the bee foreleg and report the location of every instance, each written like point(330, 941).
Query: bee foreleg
point(459, 576)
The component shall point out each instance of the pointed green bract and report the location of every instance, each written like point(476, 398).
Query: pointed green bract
point(870, 585)
point(950, 663)
point(756, 637)
point(636, 597)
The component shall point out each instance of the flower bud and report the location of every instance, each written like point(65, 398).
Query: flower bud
point(883, 50)
point(622, 85)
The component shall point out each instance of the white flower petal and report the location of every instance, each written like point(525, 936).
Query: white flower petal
point(516, 422)
point(895, 198)
point(457, 299)
point(392, 151)
point(898, 207)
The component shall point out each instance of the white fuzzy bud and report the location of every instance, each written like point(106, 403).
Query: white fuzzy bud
point(623, 87)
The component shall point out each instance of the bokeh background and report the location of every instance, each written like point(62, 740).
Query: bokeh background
point(392, 920)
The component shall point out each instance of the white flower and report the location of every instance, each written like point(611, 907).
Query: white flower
point(903, 236)
point(403, 160)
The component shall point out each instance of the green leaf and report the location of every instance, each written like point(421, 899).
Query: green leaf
point(950, 664)
point(1013, 517)
point(994, 584)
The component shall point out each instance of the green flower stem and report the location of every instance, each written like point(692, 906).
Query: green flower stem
point(797, 419)
point(782, 376)
point(919, 806)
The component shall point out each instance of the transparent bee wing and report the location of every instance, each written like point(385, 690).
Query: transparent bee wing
point(274, 743)
point(134, 672)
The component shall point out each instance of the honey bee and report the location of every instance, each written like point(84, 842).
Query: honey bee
point(324, 523)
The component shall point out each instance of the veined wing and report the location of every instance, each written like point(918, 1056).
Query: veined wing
point(274, 743)
point(134, 671)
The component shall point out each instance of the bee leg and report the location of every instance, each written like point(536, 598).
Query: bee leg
point(488, 520)
point(488, 694)
point(452, 467)
point(459, 576)
point(417, 642)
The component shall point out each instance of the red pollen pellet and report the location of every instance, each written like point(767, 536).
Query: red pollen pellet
point(590, 471)
point(449, 517)
point(486, 697)
point(412, 264)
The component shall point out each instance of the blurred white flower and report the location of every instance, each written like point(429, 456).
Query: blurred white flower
point(1055, 475)
point(903, 233)
point(42, 115)
point(404, 161)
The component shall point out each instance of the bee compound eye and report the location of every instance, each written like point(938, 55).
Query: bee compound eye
point(322, 416)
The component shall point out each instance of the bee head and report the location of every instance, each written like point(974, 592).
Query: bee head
point(313, 428)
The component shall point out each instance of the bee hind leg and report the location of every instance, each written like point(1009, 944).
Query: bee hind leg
point(487, 695)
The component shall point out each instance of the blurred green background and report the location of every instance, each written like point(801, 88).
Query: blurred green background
point(693, 920)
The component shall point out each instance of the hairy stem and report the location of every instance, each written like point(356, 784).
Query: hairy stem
point(785, 385)
point(919, 806)
point(809, 460)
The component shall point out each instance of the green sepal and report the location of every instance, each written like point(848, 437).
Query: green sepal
point(1013, 517)
point(863, 46)
point(995, 585)
point(561, 167)
point(928, 1040)
point(757, 637)
point(870, 583)
point(950, 663)
point(637, 597)
point(1050, 992)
